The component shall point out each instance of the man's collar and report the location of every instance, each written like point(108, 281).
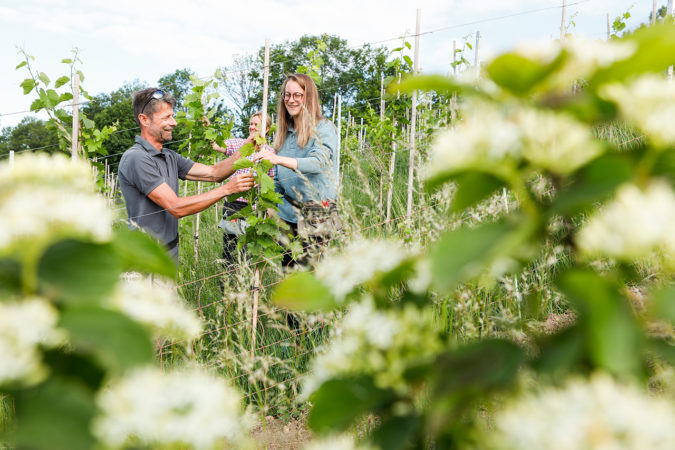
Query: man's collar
point(147, 146)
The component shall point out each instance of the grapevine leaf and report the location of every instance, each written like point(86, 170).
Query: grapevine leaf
point(61, 81)
point(36, 105)
point(67, 61)
point(242, 163)
point(28, 85)
point(247, 150)
point(53, 97)
point(303, 291)
point(44, 78)
point(88, 123)
point(21, 64)
point(78, 272)
point(408, 60)
point(113, 338)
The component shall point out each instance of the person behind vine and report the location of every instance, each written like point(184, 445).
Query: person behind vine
point(306, 163)
point(235, 227)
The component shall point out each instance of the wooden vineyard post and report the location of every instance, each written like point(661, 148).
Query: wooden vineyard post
point(454, 57)
point(654, 12)
point(334, 106)
point(562, 21)
point(339, 146)
point(381, 194)
point(413, 145)
point(11, 159)
point(256, 273)
point(476, 59)
point(197, 221)
point(76, 117)
point(392, 165)
point(608, 28)
point(669, 14)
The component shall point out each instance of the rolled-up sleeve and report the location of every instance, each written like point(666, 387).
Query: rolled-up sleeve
point(320, 154)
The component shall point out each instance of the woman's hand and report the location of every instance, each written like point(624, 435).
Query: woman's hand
point(267, 155)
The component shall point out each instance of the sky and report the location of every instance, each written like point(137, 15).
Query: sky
point(121, 41)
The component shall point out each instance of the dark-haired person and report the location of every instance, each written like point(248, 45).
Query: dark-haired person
point(306, 155)
point(233, 228)
point(149, 172)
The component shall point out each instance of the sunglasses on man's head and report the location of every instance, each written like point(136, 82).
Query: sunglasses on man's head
point(155, 95)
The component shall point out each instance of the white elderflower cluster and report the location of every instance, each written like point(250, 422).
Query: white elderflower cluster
point(583, 58)
point(43, 197)
point(635, 224)
point(24, 326)
point(555, 141)
point(647, 103)
point(380, 343)
point(595, 414)
point(158, 307)
point(472, 145)
point(551, 141)
point(358, 263)
point(187, 408)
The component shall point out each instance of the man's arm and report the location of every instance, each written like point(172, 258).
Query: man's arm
point(217, 172)
point(179, 207)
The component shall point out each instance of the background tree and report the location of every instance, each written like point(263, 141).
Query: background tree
point(28, 134)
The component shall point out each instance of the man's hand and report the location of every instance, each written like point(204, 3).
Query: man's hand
point(240, 183)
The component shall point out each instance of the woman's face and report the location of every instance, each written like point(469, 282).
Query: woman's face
point(294, 98)
point(254, 126)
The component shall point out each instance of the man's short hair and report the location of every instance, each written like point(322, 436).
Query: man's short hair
point(144, 103)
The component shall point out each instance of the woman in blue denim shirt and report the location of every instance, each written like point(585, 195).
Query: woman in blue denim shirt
point(306, 143)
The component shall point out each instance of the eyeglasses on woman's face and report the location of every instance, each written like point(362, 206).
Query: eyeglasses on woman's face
point(297, 96)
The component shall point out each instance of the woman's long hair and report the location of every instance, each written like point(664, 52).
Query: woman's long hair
point(307, 119)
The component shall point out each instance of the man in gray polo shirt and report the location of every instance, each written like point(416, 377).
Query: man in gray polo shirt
point(149, 173)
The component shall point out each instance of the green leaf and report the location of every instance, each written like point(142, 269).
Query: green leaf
point(338, 402)
point(88, 123)
point(247, 150)
point(140, 252)
point(303, 291)
point(36, 105)
point(44, 78)
point(656, 47)
point(67, 61)
point(114, 339)
point(65, 97)
point(519, 74)
point(28, 85)
point(10, 276)
point(242, 163)
point(408, 60)
point(560, 352)
point(78, 272)
point(21, 64)
point(612, 335)
point(595, 182)
point(61, 81)
point(662, 305)
point(437, 83)
point(53, 97)
point(473, 187)
point(478, 367)
point(464, 253)
point(397, 433)
point(55, 415)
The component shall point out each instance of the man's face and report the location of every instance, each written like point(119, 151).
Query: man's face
point(162, 123)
